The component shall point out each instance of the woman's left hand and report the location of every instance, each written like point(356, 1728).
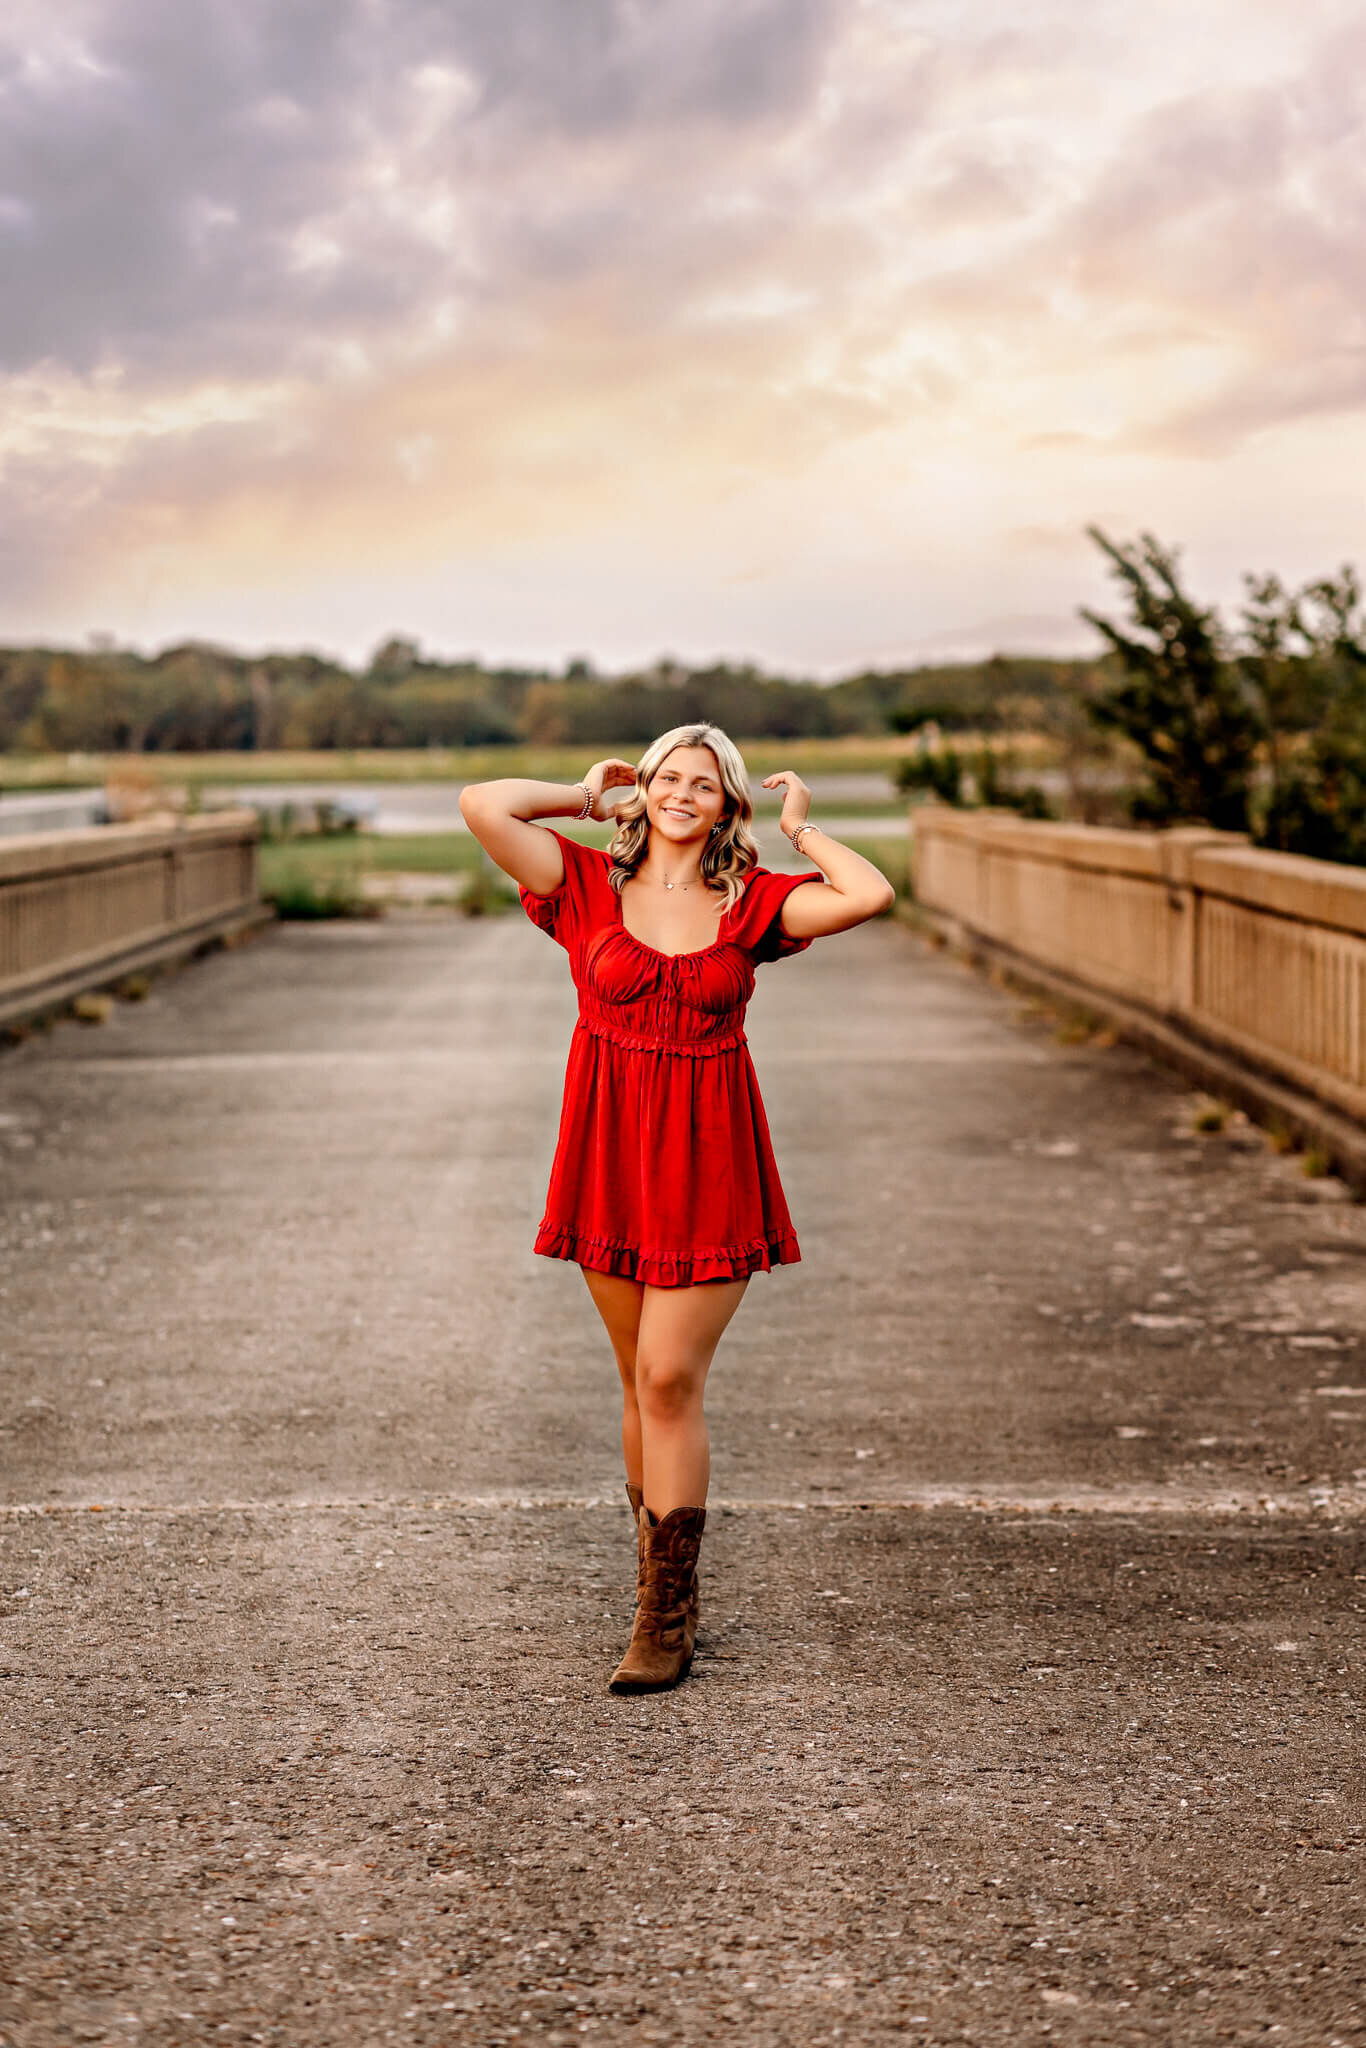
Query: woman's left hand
point(796, 798)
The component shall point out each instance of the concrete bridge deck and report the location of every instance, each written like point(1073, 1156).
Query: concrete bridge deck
point(1028, 1705)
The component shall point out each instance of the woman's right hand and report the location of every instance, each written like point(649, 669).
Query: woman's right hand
point(604, 775)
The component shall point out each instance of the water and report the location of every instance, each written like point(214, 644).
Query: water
point(391, 808)
point(51, 810)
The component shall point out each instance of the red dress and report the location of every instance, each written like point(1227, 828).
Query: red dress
point(664, 1171)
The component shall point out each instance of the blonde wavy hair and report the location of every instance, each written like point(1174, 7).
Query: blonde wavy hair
point(730, 851)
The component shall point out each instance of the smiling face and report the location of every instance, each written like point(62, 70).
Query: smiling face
point(686, 796)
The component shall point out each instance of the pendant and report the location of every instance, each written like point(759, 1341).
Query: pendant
point(668, 885)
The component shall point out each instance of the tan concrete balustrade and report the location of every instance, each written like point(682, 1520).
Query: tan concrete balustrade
point(1258, 959)
point(78, 909)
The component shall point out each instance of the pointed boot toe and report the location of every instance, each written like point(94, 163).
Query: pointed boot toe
point(665, 1632)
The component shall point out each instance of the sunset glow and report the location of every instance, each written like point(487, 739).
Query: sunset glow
point(813, 331)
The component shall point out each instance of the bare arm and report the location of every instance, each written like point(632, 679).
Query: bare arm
point(500, 815)
point(857, 890)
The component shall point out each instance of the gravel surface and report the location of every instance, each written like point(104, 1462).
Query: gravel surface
point(1028, 1699)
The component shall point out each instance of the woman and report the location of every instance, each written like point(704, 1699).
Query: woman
point(664, 1189)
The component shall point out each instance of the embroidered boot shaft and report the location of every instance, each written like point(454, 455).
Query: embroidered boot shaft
point(662, 1641)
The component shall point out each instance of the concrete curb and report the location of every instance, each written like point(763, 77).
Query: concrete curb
point(166, 950)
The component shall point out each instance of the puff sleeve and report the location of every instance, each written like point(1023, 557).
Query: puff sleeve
point(756, 920)
point(563, 914)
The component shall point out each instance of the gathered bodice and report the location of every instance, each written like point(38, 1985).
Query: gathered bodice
point(638, 997)
point(663, 1002)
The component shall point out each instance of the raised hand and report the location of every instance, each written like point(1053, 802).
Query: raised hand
point(609, 774)
point(796, 798)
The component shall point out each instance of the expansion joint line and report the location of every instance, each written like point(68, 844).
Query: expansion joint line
point(1325, 1504)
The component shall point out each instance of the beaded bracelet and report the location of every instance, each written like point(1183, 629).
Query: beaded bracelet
point(587, 810)
point(806, 826)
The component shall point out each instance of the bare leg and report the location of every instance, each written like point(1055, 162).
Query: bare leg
point(677, 1334)
point(618, 1302)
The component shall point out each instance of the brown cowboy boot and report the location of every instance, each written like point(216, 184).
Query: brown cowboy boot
point(665, 1631)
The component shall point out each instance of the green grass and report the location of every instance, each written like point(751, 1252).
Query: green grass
point(367, 853)
point(325, 877)
point(893, 856)
point(857, 755)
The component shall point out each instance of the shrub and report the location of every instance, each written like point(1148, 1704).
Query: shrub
point(298, 891)
point(487, 892)
point(938, 771)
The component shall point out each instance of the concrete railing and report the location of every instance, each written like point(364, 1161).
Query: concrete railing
point(1260, 956)
point(78, 909)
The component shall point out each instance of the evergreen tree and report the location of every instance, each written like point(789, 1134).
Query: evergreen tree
point(1305, 655)
point(1178, 697)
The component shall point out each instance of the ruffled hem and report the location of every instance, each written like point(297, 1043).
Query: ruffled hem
point(668, 1269)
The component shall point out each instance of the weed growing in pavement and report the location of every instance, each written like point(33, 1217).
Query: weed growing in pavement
point(1210, 1114)
point(1079, 1026)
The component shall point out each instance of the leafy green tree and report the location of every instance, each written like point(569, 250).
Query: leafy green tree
point(193, 697)
point(23, 679)
point(395, 657)
point(432, 710)
point(1177, 696)
point(1304, 654)
point(341, 711)
point(90, 703)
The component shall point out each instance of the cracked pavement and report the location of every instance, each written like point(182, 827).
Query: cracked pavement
point(1028, 1699)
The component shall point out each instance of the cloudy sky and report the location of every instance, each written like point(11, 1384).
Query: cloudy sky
point(809, 330)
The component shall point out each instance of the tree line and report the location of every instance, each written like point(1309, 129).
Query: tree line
point(196, 697)
point(1256, 725)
